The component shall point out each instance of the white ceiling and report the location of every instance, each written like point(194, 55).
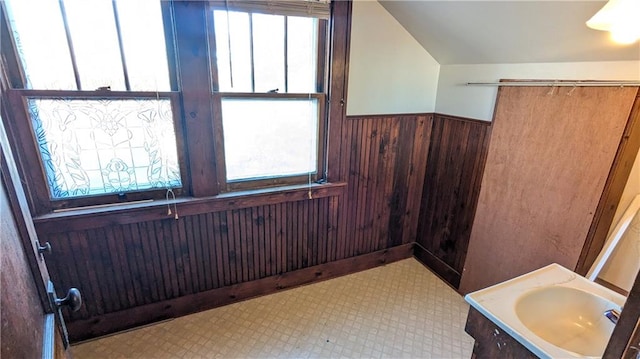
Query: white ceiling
point(486, 32)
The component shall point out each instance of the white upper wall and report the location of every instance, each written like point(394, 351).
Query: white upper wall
point(456, 98)
point(389, 71)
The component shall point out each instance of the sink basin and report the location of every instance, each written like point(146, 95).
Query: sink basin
point(552, 311)
point(568, 318)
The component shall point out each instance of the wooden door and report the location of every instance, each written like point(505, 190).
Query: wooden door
point(547, 165)
point(29, 318)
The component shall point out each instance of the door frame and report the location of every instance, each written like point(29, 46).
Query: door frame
point(626, 333)
point(614, 186)
point(52, 342)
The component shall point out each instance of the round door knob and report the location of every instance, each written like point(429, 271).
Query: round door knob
point(73, 300)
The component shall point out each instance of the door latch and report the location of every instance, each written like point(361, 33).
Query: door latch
point(42, 249)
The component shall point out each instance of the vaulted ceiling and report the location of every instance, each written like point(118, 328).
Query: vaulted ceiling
point(516, 31)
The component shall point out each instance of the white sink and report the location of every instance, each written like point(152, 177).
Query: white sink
point(568, 318)
point(552, 311)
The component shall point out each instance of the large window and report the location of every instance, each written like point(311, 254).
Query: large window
point(95, 86)
point(116, 101)
point(269, 83)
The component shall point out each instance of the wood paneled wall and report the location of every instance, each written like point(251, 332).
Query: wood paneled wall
point(123, 266)
point(21, 310)
point(135, 265)
point(457, 155)
point(386, 168)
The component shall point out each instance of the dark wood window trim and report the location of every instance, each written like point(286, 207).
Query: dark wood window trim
point(340, 32)
point(337, 57)
point(192, 59)
point(189, 65)
point(321, 80)
point(84, 218)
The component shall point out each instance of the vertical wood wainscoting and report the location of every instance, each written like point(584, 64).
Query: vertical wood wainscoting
point(179, 264)
point(387, 160)
point(136, 265)
point(457, 155)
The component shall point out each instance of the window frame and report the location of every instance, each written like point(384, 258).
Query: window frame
point(189, 60)
point(22, 136)
point(22, 127)
point(322, 82)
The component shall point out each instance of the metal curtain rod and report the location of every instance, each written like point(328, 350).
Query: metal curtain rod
point(559, 83)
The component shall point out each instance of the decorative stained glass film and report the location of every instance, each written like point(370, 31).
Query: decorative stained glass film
point(101, 146)
point(269, 137)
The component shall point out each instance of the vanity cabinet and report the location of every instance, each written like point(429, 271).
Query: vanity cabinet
point(491, 341)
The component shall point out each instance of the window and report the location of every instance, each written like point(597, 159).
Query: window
point(97, 92)
point(95, 146)
point(114, 101)
point(269, 86)
point(85, 45)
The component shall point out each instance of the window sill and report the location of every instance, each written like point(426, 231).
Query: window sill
point(98, 216)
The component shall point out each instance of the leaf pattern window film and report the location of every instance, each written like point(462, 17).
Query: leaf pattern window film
point(101, 146)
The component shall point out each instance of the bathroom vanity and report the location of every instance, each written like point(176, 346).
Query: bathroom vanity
point(548, 313)
point(491, 341)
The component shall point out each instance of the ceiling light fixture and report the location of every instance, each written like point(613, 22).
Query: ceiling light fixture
point(620, 18)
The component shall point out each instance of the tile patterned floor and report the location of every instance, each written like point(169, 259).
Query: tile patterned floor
point(400, 310)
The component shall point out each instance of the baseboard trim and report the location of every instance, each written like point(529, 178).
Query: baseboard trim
point(437, 266)
point(85, 329)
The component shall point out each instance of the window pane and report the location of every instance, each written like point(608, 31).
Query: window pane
point(144, 44)
point(42, 45)
point(269, 138)
point(268, 52)
point(95, 43)
point(302, 53)
point(243, 56)
point(93, 147)
point(235, 77)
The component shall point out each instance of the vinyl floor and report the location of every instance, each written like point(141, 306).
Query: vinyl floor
point(400, 310)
